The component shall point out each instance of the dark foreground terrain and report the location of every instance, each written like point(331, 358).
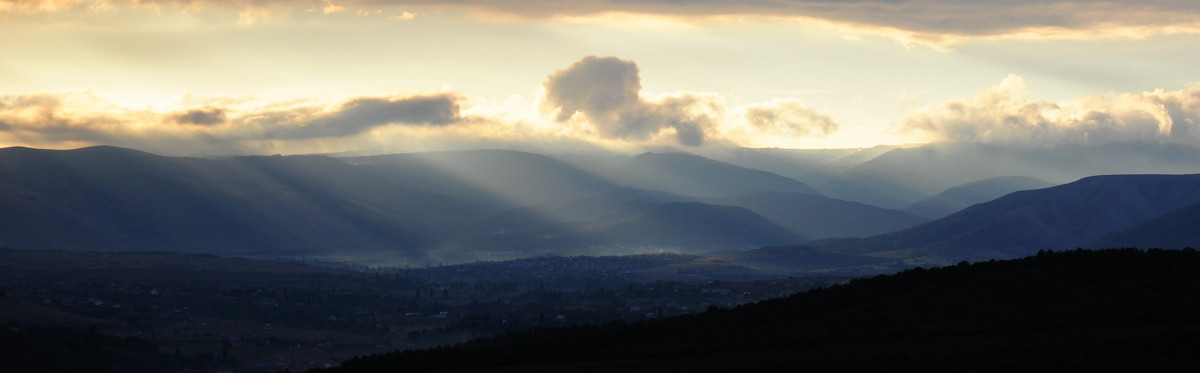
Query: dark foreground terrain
point(1111, 310)
point(64, 311)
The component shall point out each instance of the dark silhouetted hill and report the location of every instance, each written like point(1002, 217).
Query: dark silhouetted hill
point(1112, 310)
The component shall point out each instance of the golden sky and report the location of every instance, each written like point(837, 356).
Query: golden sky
point(272, 76)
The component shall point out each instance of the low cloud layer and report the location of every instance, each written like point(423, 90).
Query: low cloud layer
point(1003, 115)
point(606, 93)
point(921, 19)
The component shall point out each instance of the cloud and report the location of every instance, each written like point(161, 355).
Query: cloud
point(75, 119)
point(788, 117)
point(404, 16)
point(929, 21)
point(200, 117)
point(1002, 114)
point(597, 100)
point(361, 114)
point(606, 93)
point(332, 8)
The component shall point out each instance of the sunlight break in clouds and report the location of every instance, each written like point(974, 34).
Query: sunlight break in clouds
point(1003, 115)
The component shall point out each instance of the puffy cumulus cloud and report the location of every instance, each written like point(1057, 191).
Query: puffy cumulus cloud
point(931, 21)
point(789, 118)
point(606, 93)
point(1002, 114)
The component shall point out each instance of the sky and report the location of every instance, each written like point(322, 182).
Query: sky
point(207, 77)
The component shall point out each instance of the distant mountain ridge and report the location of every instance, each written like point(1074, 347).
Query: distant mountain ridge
point(957, 198)
point(449, 204)
point(696, 176)
point(819, 217)
point(904, 176)
point(459, 206)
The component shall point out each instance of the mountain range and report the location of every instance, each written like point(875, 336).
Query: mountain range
point(449, 204)
point(458, 206)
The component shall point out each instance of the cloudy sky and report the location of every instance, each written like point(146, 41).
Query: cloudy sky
point(190, 77)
